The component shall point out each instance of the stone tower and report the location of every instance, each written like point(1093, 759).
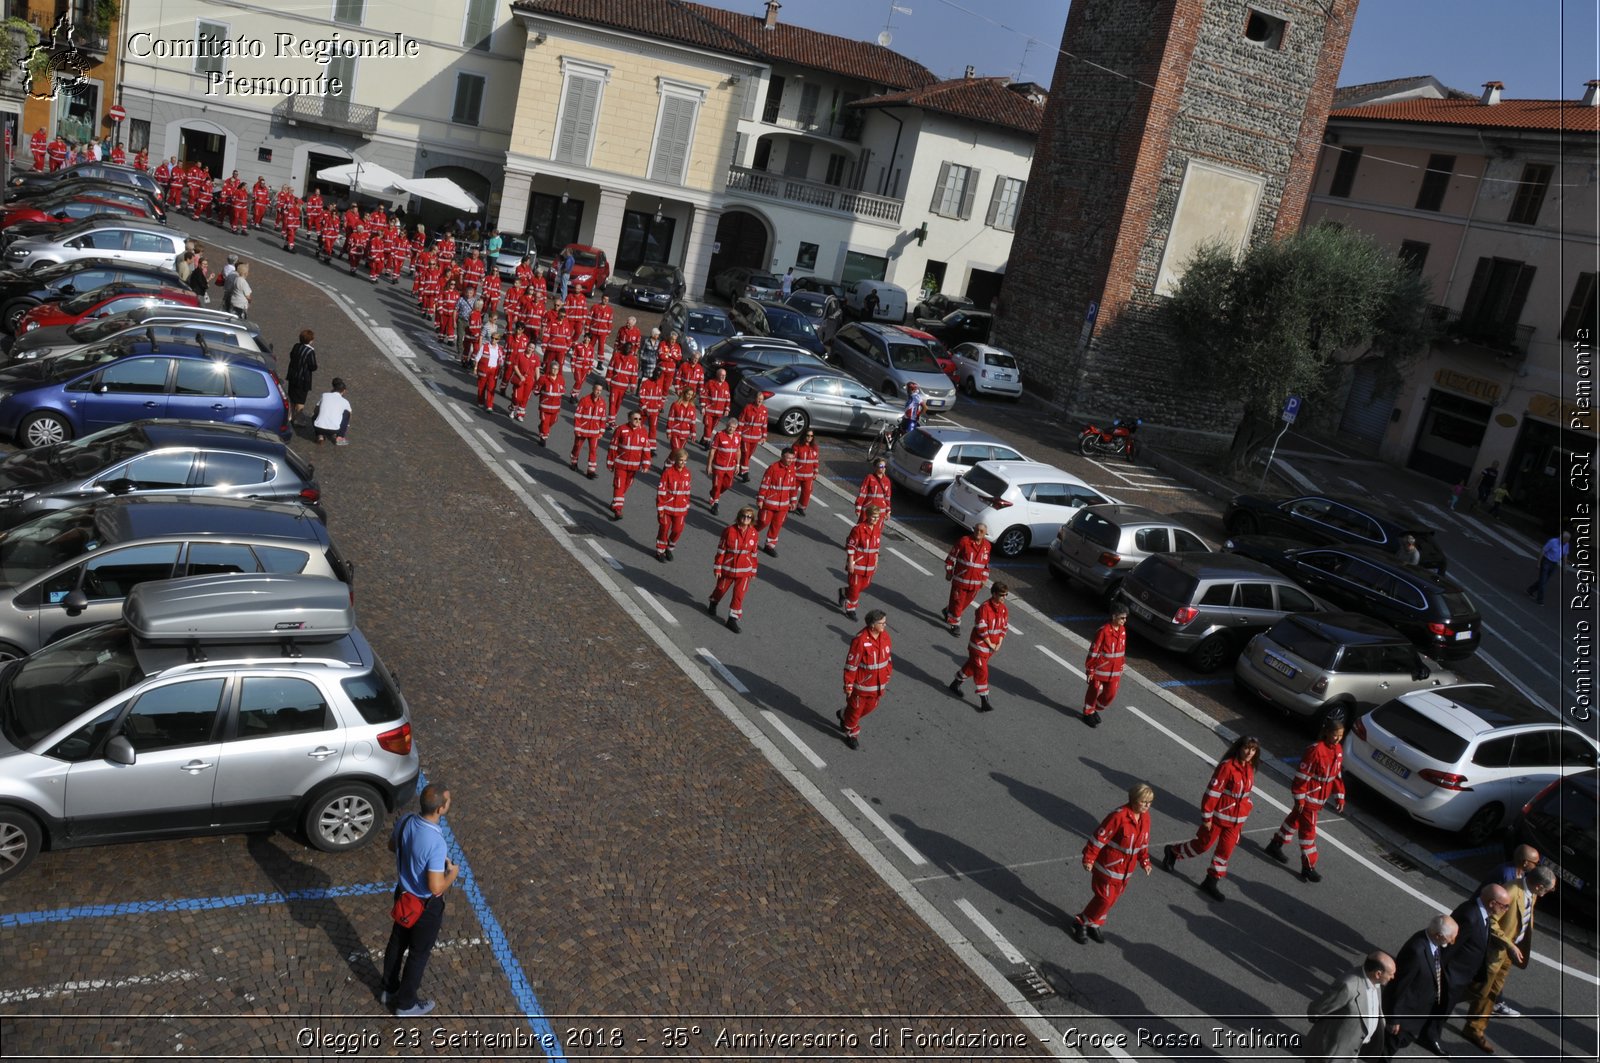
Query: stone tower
point(1171, 123)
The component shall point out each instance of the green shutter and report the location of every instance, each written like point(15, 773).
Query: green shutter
point(969, 193)
point(480, 24)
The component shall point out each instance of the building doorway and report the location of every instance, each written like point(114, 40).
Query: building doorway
point(644, 239)
point(77, 112)
point(553, 221)
point(331, 191)
point(203, 147)
point(741, 241)
point(983, 288)
point(1451, 433)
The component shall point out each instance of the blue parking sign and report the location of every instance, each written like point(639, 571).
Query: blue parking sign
point(1291, 408)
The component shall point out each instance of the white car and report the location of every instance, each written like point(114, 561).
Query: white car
point(928, 460)
point(1022, 503)
point(1464, 758)
point(982, 369)
point(130, 240)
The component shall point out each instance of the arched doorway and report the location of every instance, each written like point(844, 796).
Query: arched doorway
point(742, 240)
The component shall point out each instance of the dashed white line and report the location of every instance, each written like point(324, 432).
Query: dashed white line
point(94, 985)
point(846, 519)
point(990, 931)
point(437, 390)
point(605, 555)
point(722, 670)
point(561, 514)
point(817, 500)
point(1056, 657)
point(910, 562)
point(650, 600)
point(885, 828)
point(459, 412)
point(794, 739)
point(490, 440)
point(516, 467)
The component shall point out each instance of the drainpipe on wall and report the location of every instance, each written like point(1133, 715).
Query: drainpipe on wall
point(1472, 211)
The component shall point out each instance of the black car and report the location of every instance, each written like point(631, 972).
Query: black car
point(960, 326)
point(1319, 519)
point(81, 187)
point(37, 180)
point(653, 286)
point(22, 290)
point(937, 305)
point(818, 284)
point(766, 318)
point(1560, 822)
point(742, 355)
point(1431, 610)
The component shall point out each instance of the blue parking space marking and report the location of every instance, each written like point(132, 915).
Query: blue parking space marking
point(1466, 854)
point(10, 920)
point(1085, 618)
point(1192, 682)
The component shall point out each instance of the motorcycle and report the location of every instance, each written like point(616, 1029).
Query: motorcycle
point(1118, 439)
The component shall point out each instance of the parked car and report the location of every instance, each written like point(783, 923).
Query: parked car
point(189, 458)
point(776, 320)
point(164, 322)
point(1023, 503)
point(590, 270)
point(56, 210)
point(1560, 822)
point(1321, 665)
point(702, 324)
point(934, 307)
point(808, 396)
point(653, 286)
point(743, 355)
point(813, 305)
point(888, 301)
point(67, 570)
point(513, 249)
point(1209, 605)
point(819, 284)
point(1433, 611)
point(1098, 547)
point(928, 459)
point(736, 281)
point(941, 355)
point(123, 239)
point(1319, 519)
point(886, 359)
point(1464, 758)
point(66, 191)
point(103, 302)
point(21, 290)
point(57, 399)
point(112, 173)
point(204, 711)
point(960, 326)
point(982, 369)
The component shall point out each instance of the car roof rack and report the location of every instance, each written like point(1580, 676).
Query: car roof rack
point(198, 611)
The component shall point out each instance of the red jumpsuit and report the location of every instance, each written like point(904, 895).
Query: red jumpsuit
point(291, 223)
point(523, 376)
point(329, 234)
point(668, 355)
point(492, 293)
point(629, 454)
point(807, 459)
point(513, 307)
point(588, 421)
point(1103, 667)
point(600, 322)
point(239, 209)
point(775, 499)
point(681, 416)
point(202, 203)
point(716, 408)
point(1319, 777)
point(868, 667)
point(652, 397)
point(752, 432)
point(472, 270)
point(734, 566)
point(1226, 806)
point(860, 561)
point(582, 358)
point(141, 161)
point(488, 372)
point(628, 338)
point(874, 492)
point(551, 389)
point(672, 506)
point(722, 464)
point(474, 331)
point(39, 146)
point(444, 312)
point(989, 626)
point(557, 338)
point(1121, 844)
point(578, 315)
point(399, 253)
point(622, 375)
point(260, 199)
point(690, 375)
point(355, 245)
point(119, 156)
point(377, 252)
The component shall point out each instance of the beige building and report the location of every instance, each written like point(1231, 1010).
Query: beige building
point(1494, 200)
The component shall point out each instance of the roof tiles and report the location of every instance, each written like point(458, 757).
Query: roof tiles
point(1550, 115)
point(979, 99)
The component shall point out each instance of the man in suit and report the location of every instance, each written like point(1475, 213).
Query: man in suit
point(1350, 1011)
point(1510, 942)
point(1464, 961)
point(1418, 985)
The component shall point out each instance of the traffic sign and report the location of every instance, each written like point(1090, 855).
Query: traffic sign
point(1291, 409)
point(116, 114)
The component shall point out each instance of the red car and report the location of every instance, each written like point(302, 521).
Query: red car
point(590, 270)
point(941, 355)
point(75, 208)
point(112, 299)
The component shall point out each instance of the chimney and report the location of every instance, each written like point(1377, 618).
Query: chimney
point(1491, 93)
point(1591, 94)
point(771, 21)
point(970, 71)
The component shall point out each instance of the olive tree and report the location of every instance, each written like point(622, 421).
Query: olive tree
point(1277, 321)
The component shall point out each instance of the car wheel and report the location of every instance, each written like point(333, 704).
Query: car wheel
point(1113, 592)
point(1212, 653)
point(44, 430)
point(889, 389)
point(1012, 541)
point(969, 388)
point(9, 652)
point(1481, 827)
point(344, 818)
point(793, 422)
point(1242, 523)
point(20, 841)
point(936, 492)
point(15, 313)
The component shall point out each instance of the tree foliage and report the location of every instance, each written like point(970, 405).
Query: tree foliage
point(1274, 323)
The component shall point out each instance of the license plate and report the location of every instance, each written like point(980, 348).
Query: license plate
point(1141, 611)
point(1278, 664)
point(1564, 875)
point(1393, 765)
point(1462, 636)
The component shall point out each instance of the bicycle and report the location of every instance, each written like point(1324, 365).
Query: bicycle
point(885, 440)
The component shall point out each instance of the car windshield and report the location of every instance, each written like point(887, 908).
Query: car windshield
point(790, 326)
point(999, 359)
point(90, 454)
point(55, 685)
point(83, 301)
point(1304, 642)
point(708, 324)
point(514, 245)
point(810, 305)
point(70, 365)
point(652, 275)
point(1458, 604)
point(1427, 737)
point(912, 358)
point(585, 258)
point(785, 374)
point(763, 280)
point(32, 549)
point(986, 482)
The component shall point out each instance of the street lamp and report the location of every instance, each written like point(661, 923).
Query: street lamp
point(658, 213)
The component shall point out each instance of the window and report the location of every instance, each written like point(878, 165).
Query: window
point(1495, 753)
point(769, 113)
point(1574, 750)
point(1413, 253)
point(138, 134)
point(1152, 540)
point(197, 377)
point(282, 559)
point(806, 258)
point(151, 472)
point(208, 38)
point(1255, 596)
point(1185, 541)
point(1498, 291)
point(102, 239)
point(111, 576)
point(136, 376)
point(861, 266)
point(1530, 194)
point(810, 94)
point(342, 78)
point(220, 559)
point(1218, 594)
point(580, 109)
point(231, 470)
point(1581, 321)
point(1344, 174)
point(762, 159)
point(247, 383)
point(374, 696)
point(169, 717)
point(838, 164)
point(479, 28)
point(1293, 599)
point(280, 705)
point(1264, 30)
point(953, 192)
point(1534, 749)
point(1435, 180)
point(1004, 203)
point(680, 105)
point(797, 159)
point(348, 11)
point(469, 99)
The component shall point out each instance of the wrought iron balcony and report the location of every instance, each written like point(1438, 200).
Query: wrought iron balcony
point(1499, 337)
point(814, 194)
point(328, 112)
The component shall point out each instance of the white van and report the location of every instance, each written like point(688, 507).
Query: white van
point(890, 304)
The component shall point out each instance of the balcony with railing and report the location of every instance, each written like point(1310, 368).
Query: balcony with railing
point(814, 194)
point(847, 128)
point(328, 112)
point(1498, 337)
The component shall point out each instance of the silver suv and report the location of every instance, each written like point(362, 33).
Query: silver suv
point(159, 323)
point(928, 460)
point(1322, 664)
point(122, 239)
point(219, 704)
point(1099, 547)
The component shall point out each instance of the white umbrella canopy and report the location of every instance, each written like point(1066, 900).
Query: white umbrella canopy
point(441, 190)
point(367, 178)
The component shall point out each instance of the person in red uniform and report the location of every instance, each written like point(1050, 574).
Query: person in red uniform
point(776, 498)
point(39, 147)
point(966, 569)
point(589, 420)
point(682, 416)
point(628, 456)
point(735, 565)
point(691, 374)
point(578, 314)
point(355, 244)
point(752, 433)
point(444, 309)
point(668, 354)
point(202, 202)
point(1121, 843)
point(239, 209)
point(446, 248)
point(1223, 810)
point(807, 460)
point(629, 336)
point(581, 355)
point(525, 271)
point(868, 667)
point(672, 502)
point(399, 252)
point(329, 234)
point(522, 372)
point(557, 337)
point(141, 160)
point(860, 559)
point(652, 398)
point(280, 206)
point(260, 200)
point(1103, 667)
point(1318, 780)
point(475, 326)
point(874, 490)
point(621, 375)
point(489, 354)
point(514, 306)
point(313, 205)
point(600, 321)
point(989, 628)
point(377, 252)
point(163, 174)
point(722, 464)
point(717, 399)
point(551, 389)
point(291, 222)
point(119, 156)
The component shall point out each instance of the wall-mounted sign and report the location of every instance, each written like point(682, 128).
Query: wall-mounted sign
point(1471, 386)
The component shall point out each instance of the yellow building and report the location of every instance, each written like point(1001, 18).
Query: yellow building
point(92, 28)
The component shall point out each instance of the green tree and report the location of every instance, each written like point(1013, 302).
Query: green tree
point(1278, 321)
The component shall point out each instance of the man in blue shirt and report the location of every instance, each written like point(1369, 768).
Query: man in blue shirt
point(1551, 558)
point(424, 870)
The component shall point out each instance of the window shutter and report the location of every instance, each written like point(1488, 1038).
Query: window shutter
point(672, 142)
point(577, 120)
point(1519, 295)
point(480, 24)
point(969, 193)
point(938, 186)
point(994, 201)
point(1478, 289)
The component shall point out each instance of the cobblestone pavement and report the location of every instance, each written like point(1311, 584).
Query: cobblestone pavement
point(632, 859)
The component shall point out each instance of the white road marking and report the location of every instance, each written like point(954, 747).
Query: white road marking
point(561, 514)
point(94, 985)
point(516, 467)
point(605, 555)
point(794, 739)
point(885, 828)
point(459, 412)
point(1517, 548)
point(490, 440)
point(910, 562)
point(1505, 673)
point(722, 670)
point(437, 390)
point(1062, 662)
point(818, 500)
point(990, 931)
point(846, 519)
point(652, 602)
point(1451, 520)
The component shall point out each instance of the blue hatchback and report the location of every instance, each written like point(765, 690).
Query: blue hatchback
point(55, 399)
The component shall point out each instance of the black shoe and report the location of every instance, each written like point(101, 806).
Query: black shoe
point(711, 607)
point(852, 741)
point(841, 597)
point(955, 629)
point(1432, 1045)
point(770, 550)
point(733, 625)
point(661, 555)
point(1309, 873)
point(590, 475)
point(1076, 929)
point(1212, 887)
point(615, 515)
point(984, 706)
point(849, 614)
point(745, 477)
point(669, 553)
point(955, 686)
point(1092, 719)
point(801, 511)
point(1169, 858)
point(574, 466)
point(1094, 934)
point(1274, 849)
point(840, 717)
point(714, 506)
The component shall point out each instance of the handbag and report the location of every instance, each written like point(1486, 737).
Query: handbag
point(408, 909)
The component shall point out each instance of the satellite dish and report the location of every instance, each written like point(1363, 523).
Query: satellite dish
point(884, 38)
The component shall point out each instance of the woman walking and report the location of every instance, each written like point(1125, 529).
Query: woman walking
point(302, 368)
point(1223, 811)
point(239, 291)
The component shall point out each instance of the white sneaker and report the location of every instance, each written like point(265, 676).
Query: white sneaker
point(415, 1011)
point(1502, 1008)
